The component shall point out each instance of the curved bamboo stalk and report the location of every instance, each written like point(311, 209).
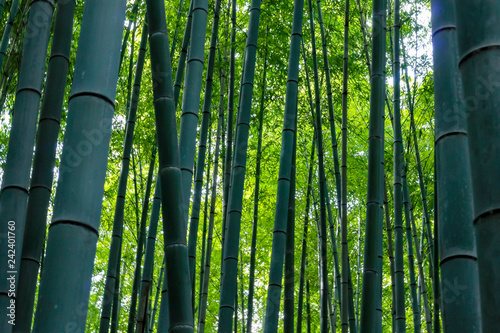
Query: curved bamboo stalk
point(117, 233)
point(176, 253)
point(231, 246)
point(73, 233)
point(457, 249)
point(281, 219)
point(371, 294)
point(43, 165)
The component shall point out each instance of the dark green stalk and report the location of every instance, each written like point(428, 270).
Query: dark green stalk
point(346, 272)
point(176, 253)
point(202, 308)
point(390, 252)
point(147, 274)
point(73, 234)
point(308, 307)
point(116, 240)
point(304, 243)
point(330, 107)
point(411, 264)
point(191, 97)
point(400, 308)
point(179, 74)
point(8, 29)
point(132, 20)
point(322, 184)
point(229, 132)
point(115, 312)
point(461, 304)
point(202, 147)
point(43, 165)
point(176, 32)
point(419, 169)
point(251, 279)
point(477, 54)
point(141, 238)
point(365, 39)
point(231, 246)
point(157, 296)
point(418, 247)
point(287, 157)
point(372, 294)
point(358, 281)
point(289, 274)
point(16, 177)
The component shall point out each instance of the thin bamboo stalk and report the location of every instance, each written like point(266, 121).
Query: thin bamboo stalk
point(231, 246)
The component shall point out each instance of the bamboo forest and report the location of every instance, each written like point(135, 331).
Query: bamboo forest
point(249, 166)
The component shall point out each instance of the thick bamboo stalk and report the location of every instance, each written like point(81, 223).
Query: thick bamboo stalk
point(116, 240)
point(457, 245)
point(285, 177)
point(371, 293)
point(43, 165)
point(231, 246)
point(75, 224)
point(176, 253)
